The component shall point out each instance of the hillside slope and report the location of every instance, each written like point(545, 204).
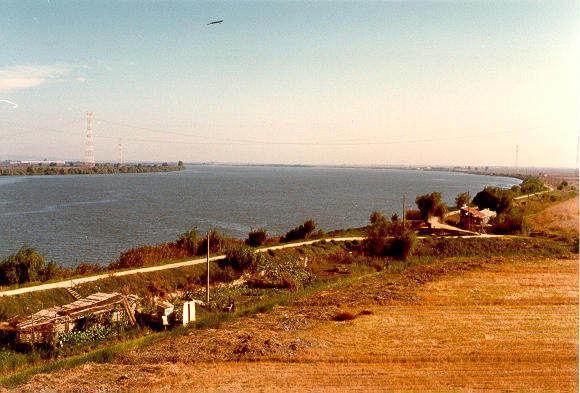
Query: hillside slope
point(467, 324)
point(563, 216)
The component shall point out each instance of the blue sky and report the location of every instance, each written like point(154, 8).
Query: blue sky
point(358, 82)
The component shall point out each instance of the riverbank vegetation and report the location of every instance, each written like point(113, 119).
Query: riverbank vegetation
point(81, 169)
point(384, 238)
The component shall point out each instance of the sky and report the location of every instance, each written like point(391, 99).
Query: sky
point(292, 82)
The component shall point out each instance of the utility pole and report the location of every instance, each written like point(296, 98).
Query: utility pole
point(207, 281)
point(468, 212)
point(403, 211)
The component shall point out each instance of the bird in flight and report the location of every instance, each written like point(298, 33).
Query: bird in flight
point(215, 22)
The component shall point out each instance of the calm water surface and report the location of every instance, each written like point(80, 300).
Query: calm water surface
point(75, 219)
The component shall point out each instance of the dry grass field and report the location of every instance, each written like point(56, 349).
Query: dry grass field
point(479, 324)
point(563, 217)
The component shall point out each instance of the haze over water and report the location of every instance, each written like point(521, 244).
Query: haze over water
point(75, 219)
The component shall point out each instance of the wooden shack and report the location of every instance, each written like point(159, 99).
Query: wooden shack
point(45, 325)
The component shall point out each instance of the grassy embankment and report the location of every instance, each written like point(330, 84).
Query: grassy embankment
point(331, 263)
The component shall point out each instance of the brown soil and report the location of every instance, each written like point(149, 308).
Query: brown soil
point(563, 216)
point(499, 324)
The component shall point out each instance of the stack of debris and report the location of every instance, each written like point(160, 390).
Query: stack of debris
point(45, 325)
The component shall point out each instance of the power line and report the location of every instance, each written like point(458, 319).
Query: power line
point(213, 140)
point(347, 142)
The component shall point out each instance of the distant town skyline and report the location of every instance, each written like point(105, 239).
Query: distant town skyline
point(291, 82)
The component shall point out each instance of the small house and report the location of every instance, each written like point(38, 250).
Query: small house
point(474, 217)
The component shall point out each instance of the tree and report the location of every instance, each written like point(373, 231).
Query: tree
point(531, 185)
point(494, 198)
point(430, 205)
point(562, 184)
point(516, 190)
point(379, 226)
point(26, 266)
point(462, 199)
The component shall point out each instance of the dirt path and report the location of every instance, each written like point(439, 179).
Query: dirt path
point(436, 224)
point(501, 324)
point(82, 280)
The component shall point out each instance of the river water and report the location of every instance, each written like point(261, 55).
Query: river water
point(74, 219)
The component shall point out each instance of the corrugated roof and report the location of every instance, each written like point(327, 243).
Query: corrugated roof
point(473, 211)
point(95, 303)
point(90, 301)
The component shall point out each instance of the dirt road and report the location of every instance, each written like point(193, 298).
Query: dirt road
point(81, 280)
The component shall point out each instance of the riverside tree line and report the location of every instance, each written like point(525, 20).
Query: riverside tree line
point(98, 169)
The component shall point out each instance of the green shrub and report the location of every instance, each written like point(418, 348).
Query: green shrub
point(300, 232)
point(26, 266)
point(386, 239)
point(402, 245)
point(216, 243)
point(241, 257)
point(189, 241)
point(531, 185)
point(510, 223)
point(256, 238)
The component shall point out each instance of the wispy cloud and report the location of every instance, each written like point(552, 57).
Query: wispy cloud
point(27, 76)
point(14, 105)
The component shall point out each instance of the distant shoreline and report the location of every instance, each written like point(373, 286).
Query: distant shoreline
point(546, 173)
point(79, 169)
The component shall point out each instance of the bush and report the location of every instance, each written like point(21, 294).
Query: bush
point(400, 246)
point(511, 223)
point(241, 257)
point(216, 243)
point(26, 266)
point(256, 238)
point(343, 316)
point(149, 255)
point(531, 185)
point(301, 232)
point(188, 241)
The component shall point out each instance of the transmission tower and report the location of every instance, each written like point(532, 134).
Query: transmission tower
point(90, 147)
point(120, 152)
